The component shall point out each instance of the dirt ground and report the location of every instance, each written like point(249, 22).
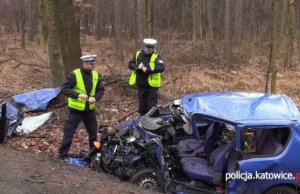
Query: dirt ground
point(27, 172)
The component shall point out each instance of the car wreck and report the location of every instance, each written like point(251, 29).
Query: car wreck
point(246, 133)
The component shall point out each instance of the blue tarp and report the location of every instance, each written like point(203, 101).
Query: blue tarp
point(80, 162)
point(242, 106)
point(37, 100)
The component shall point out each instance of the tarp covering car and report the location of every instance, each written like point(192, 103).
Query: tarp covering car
point(241, 106)
point(38, 99)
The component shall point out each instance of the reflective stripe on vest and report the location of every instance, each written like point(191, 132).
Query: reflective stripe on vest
point(78, 103)
point(154, 79)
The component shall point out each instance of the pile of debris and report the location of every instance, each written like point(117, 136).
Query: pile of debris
point(12, 116)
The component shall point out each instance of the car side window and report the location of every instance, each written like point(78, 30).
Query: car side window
point(264, 142)
point(249, 141)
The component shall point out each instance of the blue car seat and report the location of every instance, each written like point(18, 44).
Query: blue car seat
point(191, 147)
point(204, 170)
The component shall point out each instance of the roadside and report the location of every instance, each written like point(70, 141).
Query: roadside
point(23, 171)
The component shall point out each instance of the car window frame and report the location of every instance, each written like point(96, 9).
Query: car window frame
point(266, 127)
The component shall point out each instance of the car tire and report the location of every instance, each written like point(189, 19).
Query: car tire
point(148, 178)
point(281, 189)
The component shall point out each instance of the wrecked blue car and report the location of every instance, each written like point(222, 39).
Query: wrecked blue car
point(251, 145)
point(132, 146)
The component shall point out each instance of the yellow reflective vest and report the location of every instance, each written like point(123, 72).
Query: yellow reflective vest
point(78, 103)
point(154, 79)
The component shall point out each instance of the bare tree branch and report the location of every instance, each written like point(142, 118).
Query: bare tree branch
point(23, 63)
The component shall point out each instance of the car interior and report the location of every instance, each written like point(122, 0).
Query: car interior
point(260, 142)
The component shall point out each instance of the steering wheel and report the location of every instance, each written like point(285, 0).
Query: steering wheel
point(176, 113)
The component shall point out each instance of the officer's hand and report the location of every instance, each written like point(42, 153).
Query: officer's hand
point(92, 100)
point(83, 96)
point(144, 69)
point(141, 66)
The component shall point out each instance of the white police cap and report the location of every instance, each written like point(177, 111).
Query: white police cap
point(149, 42)
point(89, 58)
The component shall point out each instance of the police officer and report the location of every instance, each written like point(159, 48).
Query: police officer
point(84, 88)
point(147, 66)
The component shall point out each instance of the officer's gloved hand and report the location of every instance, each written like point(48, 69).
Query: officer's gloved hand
point(83, 96)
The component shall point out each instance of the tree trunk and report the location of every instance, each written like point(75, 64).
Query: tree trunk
point(238, 19)
point(273, 47)
point(140, 21)
point(57, 69)
point(69, 35)
point(118, 30)
point(149, 21)
point(200, 20)
point(227, 48)
point(64, 45)
point(291, 34)
point(23, 16)
point(31, 11)
point(135, 24)
point(194, 16)
point(85, 22)
point(16, 15)
point(283, 22)
point(211, 40)
point(41, 17)
point(98, 15)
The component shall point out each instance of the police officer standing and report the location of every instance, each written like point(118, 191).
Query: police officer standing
point(147, 66)
point(84, 88)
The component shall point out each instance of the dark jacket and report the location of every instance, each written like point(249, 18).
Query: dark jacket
point(141, 77)
point(70, 82)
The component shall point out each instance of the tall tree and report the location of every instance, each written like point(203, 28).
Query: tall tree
point(291, 34)
point(23, 24)
point(69, 35)
point(149, 5)
point(42, 12)
point(57, 69)
point(85, 13)
point(64, 42)
point(210, 28)
point(227, 48)
point(273, 47)
point(16, 15)
point(238, 15)
point(195, 21)
point(140, 21)
point(200, 19)
point(98, 16)
point(283, 22)
point(31, 8)
point(118, 30)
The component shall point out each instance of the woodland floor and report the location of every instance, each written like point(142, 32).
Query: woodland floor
point(21, 71)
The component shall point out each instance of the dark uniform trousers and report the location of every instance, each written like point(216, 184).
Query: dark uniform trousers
point(147, 98)
point(70, 126)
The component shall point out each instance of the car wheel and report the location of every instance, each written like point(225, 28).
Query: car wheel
point(281, 190)
point(148, 178)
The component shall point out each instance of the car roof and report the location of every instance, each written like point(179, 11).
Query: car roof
point(243, 107)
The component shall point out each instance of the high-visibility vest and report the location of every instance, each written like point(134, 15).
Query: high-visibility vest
point(78, 103)
point(154, 79)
